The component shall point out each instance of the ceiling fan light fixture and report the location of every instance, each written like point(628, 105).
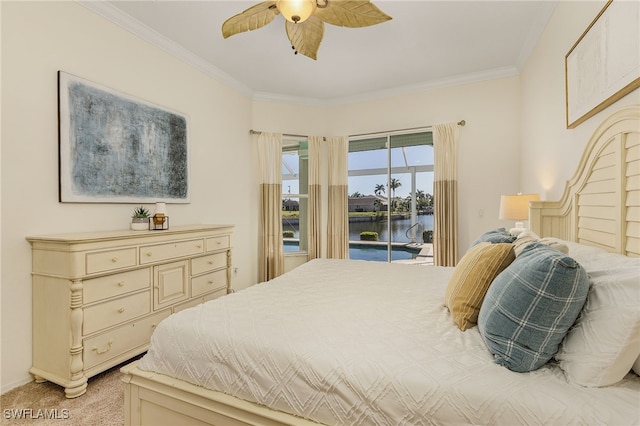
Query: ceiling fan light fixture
point(296, 11)
point(306, 37)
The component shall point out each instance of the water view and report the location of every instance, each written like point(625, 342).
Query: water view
point(399, 228)
point(369, 251)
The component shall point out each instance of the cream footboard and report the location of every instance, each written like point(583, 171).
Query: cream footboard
point(155, 399)
point(601, 203)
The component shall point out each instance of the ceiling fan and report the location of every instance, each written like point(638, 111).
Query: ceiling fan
point(304, 19)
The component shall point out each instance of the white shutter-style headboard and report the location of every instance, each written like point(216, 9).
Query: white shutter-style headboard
point(601, 203)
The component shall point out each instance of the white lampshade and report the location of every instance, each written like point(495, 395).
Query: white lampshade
point(516, 207)
point(296, 10)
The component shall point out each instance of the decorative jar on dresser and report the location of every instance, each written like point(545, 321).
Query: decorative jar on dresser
point(98, 296)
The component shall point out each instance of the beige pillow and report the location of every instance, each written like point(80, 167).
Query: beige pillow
point(527, 237)
point(523, 240)
point(471, 280)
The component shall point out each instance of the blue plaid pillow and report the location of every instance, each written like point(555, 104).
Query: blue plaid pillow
point(530, 307)
point(499, 235)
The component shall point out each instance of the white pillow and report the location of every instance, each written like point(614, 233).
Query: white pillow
point(604, 343)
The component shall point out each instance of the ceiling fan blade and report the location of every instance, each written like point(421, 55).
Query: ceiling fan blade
point(251, 19)
point(351, 13)
point(305, 37)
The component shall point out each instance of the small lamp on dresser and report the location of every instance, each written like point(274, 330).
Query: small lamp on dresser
point(516, 207)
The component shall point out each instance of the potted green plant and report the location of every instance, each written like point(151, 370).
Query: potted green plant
point(140, 219)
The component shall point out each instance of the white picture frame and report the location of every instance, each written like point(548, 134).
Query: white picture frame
point(604, 64)
point(114, 148)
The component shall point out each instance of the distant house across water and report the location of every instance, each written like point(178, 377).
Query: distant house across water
point(290, 205)
point(367, 203)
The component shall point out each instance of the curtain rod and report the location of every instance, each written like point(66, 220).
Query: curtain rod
point(256, 132)
point(460, 123)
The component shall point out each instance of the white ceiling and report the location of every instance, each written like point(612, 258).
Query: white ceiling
point(426, 44)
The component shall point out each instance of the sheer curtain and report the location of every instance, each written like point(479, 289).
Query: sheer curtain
point(338, 219)
point(315, 216)
point(445, 232)
point(270, 252)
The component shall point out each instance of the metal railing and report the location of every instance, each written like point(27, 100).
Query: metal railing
point(412, 237)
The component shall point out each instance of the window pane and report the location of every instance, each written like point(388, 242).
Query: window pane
point(368, 185)
point(294, 191)
point(407, 195)
point(294, 223)
point(294, 168)
point(290, 173)
point(371, 144)
point(363, 160)
point(412, 156)
point(412, 139)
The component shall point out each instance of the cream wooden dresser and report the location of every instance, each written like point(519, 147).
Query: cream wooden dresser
point(97, 297)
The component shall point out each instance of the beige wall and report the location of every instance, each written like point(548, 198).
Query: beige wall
point(551, 152)
point(38, 39)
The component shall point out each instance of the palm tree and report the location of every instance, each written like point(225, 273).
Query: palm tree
point(423, 199)
point(394, 184)
point(379, 189)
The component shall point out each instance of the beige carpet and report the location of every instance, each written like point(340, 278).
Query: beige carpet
point(102, 404)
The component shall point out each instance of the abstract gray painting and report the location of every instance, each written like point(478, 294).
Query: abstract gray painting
point(115, 148)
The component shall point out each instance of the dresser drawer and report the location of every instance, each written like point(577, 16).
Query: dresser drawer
point(218, 243)
point(208, 282)
point(154, 253)
point(105, 346)
point(110, 260)
point(208, 263)
point(114, 285)
point(116, 311)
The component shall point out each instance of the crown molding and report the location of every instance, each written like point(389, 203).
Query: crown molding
point(144, 32)
point(428, 86)
point(147, 34)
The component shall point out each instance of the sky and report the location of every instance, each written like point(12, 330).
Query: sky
point(376, 159)
point(366, 185)
point(421, 155)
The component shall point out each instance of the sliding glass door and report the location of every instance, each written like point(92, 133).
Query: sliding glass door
point(390, 195)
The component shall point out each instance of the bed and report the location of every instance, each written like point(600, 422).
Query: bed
point(354, 342)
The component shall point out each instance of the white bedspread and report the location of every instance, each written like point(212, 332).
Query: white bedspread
point(368, 343)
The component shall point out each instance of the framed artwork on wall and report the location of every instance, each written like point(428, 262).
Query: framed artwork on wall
point(604, 64)
point(114, 148)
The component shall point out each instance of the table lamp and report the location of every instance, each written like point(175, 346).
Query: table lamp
point(516, 207)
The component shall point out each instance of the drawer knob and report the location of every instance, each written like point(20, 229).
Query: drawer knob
point(114, 259)
point(210, 281)
point(149, 254)
point(121, 284)
point(210, 262)
point(104, 351)
point(121, 310)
